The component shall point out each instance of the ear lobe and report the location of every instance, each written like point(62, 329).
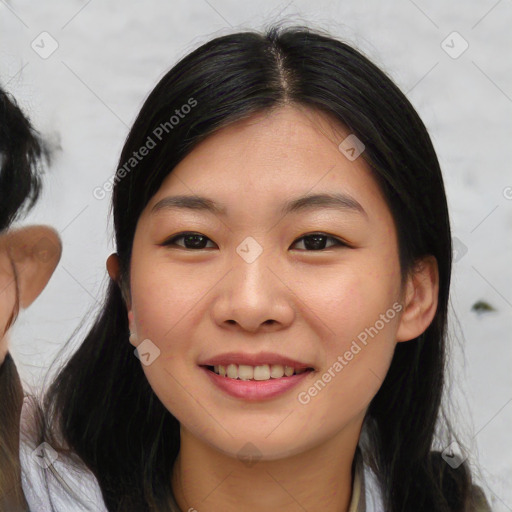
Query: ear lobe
point(421, 300)
point(35, 252)
point(133, 331)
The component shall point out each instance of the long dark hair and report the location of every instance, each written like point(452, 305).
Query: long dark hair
point(101, 402)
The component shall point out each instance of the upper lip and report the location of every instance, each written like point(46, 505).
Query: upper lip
point(253, 360)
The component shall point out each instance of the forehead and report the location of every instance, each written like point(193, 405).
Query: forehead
point(271, 158)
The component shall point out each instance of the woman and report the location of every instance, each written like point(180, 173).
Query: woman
point(273, 335)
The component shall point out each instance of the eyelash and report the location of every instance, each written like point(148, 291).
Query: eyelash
point(170, 241)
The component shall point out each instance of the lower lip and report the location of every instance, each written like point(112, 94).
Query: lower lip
point(254, 390)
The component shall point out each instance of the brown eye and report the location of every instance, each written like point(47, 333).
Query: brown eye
point(317, 241)
point(191, 240)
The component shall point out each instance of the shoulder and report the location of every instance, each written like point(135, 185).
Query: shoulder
point(52, 482)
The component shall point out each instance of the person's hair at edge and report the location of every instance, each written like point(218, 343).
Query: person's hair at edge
point(101, 402)
point(23, 154)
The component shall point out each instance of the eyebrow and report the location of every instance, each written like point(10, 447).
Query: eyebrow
point(337, 201)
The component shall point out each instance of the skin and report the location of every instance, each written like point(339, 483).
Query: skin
point(197, 303)
point(35, 252)
point(28, 257)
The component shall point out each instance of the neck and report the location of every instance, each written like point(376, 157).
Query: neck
point(207, 479)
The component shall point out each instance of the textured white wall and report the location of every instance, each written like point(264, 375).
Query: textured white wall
point(85, 95)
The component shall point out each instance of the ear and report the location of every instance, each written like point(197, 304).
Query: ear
point(421, 299)
point(113, 267)
point(35, 252)
point(114, 273)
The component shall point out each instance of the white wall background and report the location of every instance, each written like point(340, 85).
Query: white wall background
point(85, 95)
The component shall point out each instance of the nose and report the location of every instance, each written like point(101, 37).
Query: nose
point(254, 296)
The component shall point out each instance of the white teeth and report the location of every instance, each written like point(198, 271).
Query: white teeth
point(261, 372)
point(288, 371)
point(232, 371)
point(277, 371)
point(245, 372)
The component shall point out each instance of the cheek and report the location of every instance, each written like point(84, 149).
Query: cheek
point(358, 310)
point(352, 298)
point(357, 357)
point(160, 303)
point(162, 297)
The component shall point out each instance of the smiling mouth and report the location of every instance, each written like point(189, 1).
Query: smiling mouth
point(256, 373)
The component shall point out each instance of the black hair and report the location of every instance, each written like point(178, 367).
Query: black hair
point(23, 154)
point(101, 402)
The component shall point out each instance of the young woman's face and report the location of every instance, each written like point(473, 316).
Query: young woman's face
point(255, 280)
